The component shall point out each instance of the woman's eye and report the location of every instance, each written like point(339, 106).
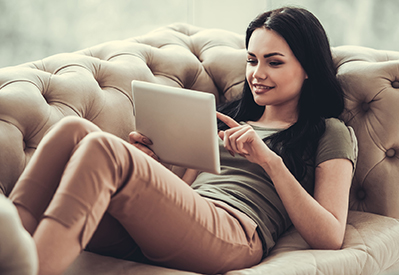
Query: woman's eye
point(251, 61)
point(275, 63)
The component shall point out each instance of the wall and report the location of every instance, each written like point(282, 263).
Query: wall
point(31, 30)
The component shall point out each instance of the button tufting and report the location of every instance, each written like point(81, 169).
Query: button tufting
point(395, 84)
point(365, 106)
point(390, 153)
point(361, 194)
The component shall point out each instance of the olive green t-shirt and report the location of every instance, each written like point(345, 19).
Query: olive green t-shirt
point(247, 187)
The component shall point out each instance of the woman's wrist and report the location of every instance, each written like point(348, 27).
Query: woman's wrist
point(272, 164)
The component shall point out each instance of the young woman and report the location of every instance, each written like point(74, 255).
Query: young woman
point(286, 159)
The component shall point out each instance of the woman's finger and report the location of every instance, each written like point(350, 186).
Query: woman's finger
point(221, 134)
point(244, 139)
point(226, 141)
point(136, 137)
point(230, 137)
point(227, 120)
point(146, 150)
point(238, 139)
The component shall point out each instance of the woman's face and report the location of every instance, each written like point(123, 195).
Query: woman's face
point(273, 73)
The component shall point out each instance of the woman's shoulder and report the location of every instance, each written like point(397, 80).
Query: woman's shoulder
point(336, 127)
point(334, 122)
point(339, 140)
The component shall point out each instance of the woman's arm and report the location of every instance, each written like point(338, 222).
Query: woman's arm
point(190, 175)
point(321, 220)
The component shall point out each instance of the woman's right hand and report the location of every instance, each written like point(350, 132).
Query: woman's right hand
point(142, 142)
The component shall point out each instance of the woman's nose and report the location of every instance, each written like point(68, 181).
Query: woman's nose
point(260, 72)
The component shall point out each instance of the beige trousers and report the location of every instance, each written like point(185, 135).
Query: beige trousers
point(129, 200)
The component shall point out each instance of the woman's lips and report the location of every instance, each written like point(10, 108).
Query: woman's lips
point(259, 89)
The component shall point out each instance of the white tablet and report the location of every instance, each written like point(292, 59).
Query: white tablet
point(181, 123)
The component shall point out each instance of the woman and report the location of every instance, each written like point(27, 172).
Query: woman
point(288, 161)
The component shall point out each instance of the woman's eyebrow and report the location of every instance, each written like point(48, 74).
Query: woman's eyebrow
point(267, 55)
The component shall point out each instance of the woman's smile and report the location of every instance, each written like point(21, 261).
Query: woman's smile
point(260, 89)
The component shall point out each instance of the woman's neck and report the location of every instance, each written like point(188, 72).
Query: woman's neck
point(276, 118)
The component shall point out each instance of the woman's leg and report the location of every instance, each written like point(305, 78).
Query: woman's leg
point(170, 222)
point(112, 239)
point(37, 184)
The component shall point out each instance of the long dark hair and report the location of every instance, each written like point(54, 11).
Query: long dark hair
point(321, 94)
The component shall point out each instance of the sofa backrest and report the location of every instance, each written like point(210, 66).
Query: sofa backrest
point(370, 79)
point(94, 83)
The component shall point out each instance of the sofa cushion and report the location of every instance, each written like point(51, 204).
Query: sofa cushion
point(370, 247)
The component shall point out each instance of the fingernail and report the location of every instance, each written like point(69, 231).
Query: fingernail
point(147, 141)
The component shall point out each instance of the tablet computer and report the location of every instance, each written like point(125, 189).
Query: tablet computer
point(181, 123)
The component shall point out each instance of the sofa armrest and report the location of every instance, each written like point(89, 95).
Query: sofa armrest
point(17, 250)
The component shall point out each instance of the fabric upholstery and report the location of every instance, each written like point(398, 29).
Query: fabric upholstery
point(364, 251)
point(94, 83)
point(371, 82)
point(369, 249)
point(17, 249)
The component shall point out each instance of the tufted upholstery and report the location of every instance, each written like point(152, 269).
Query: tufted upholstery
point(371, 81)
point(94, 83)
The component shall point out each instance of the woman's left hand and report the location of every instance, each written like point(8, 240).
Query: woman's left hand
point(243, 140)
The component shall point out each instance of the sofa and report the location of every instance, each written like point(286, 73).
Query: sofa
point(95, 83)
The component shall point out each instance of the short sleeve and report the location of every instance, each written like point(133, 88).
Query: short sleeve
point(338, 141)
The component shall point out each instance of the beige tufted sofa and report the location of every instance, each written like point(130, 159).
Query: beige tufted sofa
point(94, 83)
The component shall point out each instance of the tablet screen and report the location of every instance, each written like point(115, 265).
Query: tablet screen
point(181, 123)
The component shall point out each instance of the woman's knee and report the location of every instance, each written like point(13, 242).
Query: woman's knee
point(98, 147)
point(108, 153)
point(73, 126)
